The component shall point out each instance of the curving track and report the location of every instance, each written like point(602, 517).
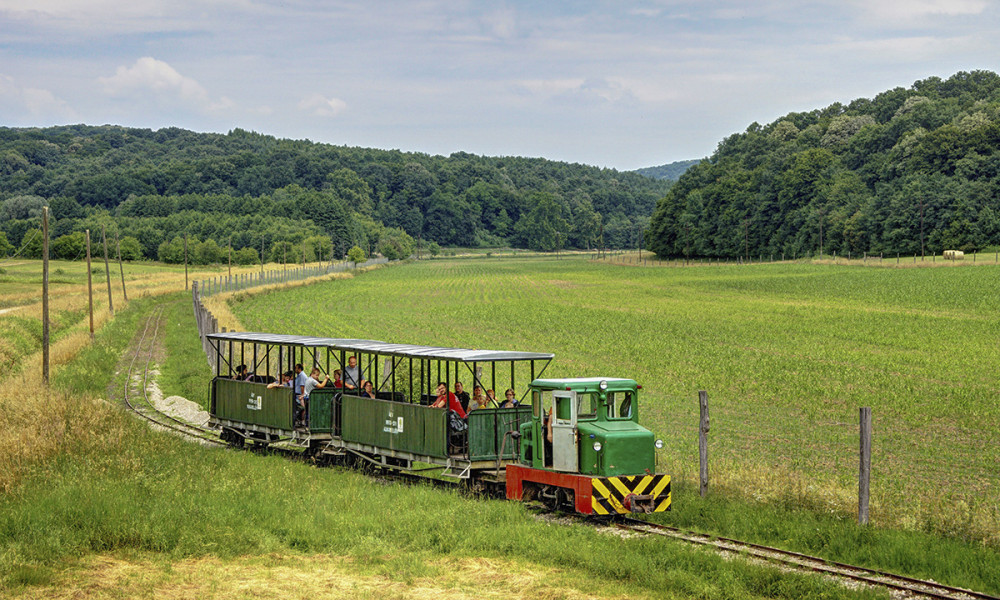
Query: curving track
point(908, 586)
point(145, 347)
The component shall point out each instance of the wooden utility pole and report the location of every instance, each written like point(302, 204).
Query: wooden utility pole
point(185, 262)
point(121, 269)
point(90, 290)
point(230, 257)
point(746, 237)
point(107, 270)
point(45, 295)
point(703, 441)
point(865, 470)
point(821, 234)
point(921, 229)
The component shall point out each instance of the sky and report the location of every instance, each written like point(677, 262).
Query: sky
point(613, 84)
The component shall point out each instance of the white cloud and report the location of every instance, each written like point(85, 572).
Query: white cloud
point(37, 102)
point(321, 106)
point(502, 23)
point(115, 16)
point(157, 80)
point(906, 10)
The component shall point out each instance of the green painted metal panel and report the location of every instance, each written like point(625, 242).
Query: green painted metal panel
point(482, 434)
point(321, 409)
point(488, 428)
point(394, 425)
point(435, 424)
point(626, 449)
point(253, 403)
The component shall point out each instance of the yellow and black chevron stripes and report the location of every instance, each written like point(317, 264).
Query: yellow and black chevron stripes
point(649, 491)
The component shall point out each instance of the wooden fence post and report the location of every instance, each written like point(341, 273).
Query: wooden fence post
point(121, 269)
point(865, 470)
point(45, 295)
point(107, 271)
point(703, 441)
point(90, 290)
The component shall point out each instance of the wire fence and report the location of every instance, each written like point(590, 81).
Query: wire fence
point(243, 281)
point(934, 475)
point(646, 258)
point(207, 322)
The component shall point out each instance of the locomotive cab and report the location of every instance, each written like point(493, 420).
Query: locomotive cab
point(594, 428)
point(584, 440)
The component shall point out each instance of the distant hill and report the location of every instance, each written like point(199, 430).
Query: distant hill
point(909, 168)
point(264, 190)
point(671, 171)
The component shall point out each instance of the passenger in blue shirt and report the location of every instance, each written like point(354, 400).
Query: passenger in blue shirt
point(298, 389)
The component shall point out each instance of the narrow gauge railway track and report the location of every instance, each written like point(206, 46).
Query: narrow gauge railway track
point(796, 560)
point(147, 409)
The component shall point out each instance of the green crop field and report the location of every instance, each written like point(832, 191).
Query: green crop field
point(787, 353)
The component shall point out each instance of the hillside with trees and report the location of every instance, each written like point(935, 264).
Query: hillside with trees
point(911, 170)
point(285, 197)
point(670, 171)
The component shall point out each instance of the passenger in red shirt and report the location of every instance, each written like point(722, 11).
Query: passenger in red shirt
point(446, 398)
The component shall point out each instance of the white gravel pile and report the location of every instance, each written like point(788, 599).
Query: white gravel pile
point(176, 406)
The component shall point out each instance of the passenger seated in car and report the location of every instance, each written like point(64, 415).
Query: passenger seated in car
point(510, 399)
point(286, 381)
point(448, 400)
point(462, 395)
point(337, 381)
point(354, 377)
point(242, 374)
point(313, 382)
point(368, 392)
point(480, 401)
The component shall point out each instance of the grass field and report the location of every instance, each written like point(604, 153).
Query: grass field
point(93, 504)
point(787, 352)
point(112, 510)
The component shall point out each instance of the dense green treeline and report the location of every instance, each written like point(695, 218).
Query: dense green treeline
point(909, 167)
point(671, 171)
point(157, 185)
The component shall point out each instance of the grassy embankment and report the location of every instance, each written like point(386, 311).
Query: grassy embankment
point(787, 352)
point(115, 510)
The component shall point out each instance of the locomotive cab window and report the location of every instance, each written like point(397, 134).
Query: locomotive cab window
point(620, 405)
point(587, 404)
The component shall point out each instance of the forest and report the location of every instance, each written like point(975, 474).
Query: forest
point(283, 198)
point(911, 171)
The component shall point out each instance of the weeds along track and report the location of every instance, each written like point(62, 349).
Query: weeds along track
point(907, 586)
point(145, 407)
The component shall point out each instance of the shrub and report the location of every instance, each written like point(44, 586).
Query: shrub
point(356, 254)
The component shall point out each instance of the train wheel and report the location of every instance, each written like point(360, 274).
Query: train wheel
point(235, 440)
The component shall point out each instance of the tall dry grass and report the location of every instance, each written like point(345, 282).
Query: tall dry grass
point(39, 423)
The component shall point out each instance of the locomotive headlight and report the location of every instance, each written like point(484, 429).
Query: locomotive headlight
point(603, 385)
point(597, 446)
point(658, 444)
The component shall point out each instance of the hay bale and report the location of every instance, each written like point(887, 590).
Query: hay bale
point(954, 255)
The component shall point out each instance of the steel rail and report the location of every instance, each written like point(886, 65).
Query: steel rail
point(182, 427)
point(930, 589)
